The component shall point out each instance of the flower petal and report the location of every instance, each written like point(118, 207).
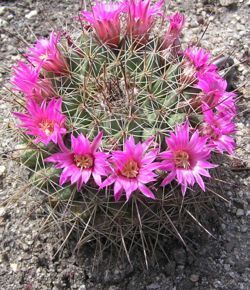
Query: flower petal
point(146, 191)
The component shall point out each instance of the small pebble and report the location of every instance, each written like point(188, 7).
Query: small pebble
point(227, 3)
point(14, 267)
point(2, 211)
point(244, 229)
point(3, 23)
point(194, 278)
point(31, 14)
point(2, 10)
point(240, 212)
point(2, 170)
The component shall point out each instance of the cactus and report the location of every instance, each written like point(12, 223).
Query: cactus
point(119, 104)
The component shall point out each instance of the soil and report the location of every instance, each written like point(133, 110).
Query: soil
point(28, 255)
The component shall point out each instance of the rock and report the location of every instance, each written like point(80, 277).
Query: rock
point(185, 284)
point(2, 211)
point(2, 170)
point(31, 14)
point(4, 258)
point(194, 278)
point(228, 3)
point(240, 27)
point(112, 287)
point(153, 286)
point(25, 247)
point(240, 212)
point(2, 10)
point(13, 266)
point(3, 23)
point(244, 229)
point(9, 17)
point(82, 287)
point(11, 49)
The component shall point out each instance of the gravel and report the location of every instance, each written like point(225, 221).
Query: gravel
point(28, 255)
point(31, 14)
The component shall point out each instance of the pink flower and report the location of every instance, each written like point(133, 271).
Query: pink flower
point(218, 129)
point(214, 93)
point(141, 17)
point(105, 19)
point(174, 30)
point(83, 160)
point(26, 79)
point(47, 123)
point(226, 105)
point(46, 54)
point(200, 59)
point(213, 88)
point(186, 158)
point(132, 169)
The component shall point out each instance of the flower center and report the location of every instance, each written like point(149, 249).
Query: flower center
point(181, 159)
point(83, 161)
point(130, 169)
point(188, 74)
point(47, 127)
point(43, 56)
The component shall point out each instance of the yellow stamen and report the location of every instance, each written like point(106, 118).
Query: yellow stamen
point(43, 56)
point(84, 161)
point(47, 126)
point(181, 159)
point(130, 169)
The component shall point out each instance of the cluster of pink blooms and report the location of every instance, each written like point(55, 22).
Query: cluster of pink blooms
point(131, 169)
point(136, 167)
point(44, 57)
point(216, 104)
point(140, 17)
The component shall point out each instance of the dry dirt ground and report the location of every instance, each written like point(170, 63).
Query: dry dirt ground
point(27, 258)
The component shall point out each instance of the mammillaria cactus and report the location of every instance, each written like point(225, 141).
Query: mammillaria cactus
point(120, 122)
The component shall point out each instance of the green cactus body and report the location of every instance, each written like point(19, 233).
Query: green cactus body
point(130, 90)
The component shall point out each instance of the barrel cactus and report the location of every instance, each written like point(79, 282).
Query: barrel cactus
point(119, 123)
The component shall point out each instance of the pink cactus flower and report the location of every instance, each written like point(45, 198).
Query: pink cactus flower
point(213, 88)
point(200, 59)
point(105, 19)
point(141, 17)
point(47, 123)
point(226, 106)
point(175, 27)
point(83, 160)
point(27, 80)
point(186, 158)
point(219, 130)
point(214, 94)
point(132, 169)
point(46, 54)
